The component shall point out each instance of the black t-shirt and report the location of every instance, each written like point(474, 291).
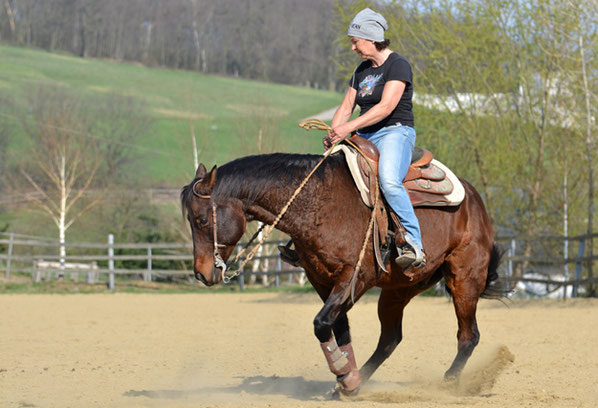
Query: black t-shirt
point(369, 82)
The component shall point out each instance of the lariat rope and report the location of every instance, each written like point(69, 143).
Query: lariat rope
point(307, 125)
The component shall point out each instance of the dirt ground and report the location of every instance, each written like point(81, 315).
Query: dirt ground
point(258, 350)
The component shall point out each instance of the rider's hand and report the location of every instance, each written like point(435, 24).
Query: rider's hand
point(336, 134)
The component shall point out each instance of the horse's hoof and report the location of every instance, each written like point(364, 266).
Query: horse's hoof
point(338, 393)
point(335, 393)
point(451, 378)
point(350, 382)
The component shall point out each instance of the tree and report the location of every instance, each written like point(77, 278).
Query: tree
point(579, 70)
point(64, 160)
point(502, 98)
point(75, 152)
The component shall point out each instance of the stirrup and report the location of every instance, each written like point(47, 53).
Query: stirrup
point(289, 255)
point(408, 257)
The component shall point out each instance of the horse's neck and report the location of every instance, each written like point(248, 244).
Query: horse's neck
point(270, 205)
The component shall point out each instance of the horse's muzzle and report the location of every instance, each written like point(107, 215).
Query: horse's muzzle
point(215, 277)
point(201, 278)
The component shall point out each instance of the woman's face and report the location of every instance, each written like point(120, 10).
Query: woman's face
point(363, 48)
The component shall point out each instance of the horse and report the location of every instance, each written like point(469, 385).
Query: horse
point(327, 222)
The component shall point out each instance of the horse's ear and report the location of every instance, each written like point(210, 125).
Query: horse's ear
point(212, 176)
point(201, 171)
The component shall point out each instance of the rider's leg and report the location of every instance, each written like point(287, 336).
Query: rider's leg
point(395, 144)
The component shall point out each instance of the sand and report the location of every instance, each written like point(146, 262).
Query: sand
point(258, 350)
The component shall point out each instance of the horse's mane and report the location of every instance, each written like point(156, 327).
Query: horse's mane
point(251, 176)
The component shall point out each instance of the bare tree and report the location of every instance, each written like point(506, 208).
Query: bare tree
point(283, 40)
point(76, 150)
point(64, 160)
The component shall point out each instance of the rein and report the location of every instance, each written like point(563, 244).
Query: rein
point(308, 124)
point(318, 124)
point(224, 267)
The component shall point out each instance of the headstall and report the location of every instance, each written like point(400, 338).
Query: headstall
point(218, 261)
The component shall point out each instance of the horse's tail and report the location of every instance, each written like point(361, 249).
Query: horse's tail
point(495, 287)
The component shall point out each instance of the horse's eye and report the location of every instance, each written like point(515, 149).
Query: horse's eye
point(202, 222)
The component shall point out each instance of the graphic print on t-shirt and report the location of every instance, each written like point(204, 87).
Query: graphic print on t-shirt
point(366, 87)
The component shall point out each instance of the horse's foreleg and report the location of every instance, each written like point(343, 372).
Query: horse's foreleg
point(340, 356)
point(390, 312)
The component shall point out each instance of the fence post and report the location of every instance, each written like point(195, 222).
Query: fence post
point(241, 272)
point(242, 279)
point(580, 252)
point(9, 254)
point(111, 262)
point(148, 275)
point(566, 268)
point(92, 274)
point(511, 252)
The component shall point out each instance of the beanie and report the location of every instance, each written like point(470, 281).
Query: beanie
point(369, 25)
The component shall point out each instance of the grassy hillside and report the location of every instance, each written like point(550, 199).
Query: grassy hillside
point(226, 112)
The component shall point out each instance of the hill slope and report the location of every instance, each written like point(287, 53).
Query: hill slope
point(231, 117)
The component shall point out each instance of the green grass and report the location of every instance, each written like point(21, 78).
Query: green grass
point(221, 106)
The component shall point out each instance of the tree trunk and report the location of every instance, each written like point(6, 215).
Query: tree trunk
point(589, 150)
point(147, 43)
point(198, 51)
point(62, 218)
point(11, 18)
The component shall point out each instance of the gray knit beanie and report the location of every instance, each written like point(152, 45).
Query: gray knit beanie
point(369, 25)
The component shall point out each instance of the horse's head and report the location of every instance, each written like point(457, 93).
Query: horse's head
point(217, 224)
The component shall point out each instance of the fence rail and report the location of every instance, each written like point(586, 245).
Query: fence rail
point(545, 261)
point(31, 255)
point(542, 261)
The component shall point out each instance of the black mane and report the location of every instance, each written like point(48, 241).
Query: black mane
point(249, 177)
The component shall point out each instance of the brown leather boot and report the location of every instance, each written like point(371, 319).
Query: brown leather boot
point(289, 255)
point(408, 258)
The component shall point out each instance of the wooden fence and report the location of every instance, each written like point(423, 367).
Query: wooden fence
point(24, 254)
point(547, 263)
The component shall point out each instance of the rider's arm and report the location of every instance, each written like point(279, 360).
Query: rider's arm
point(345, 110)
point(391, 95)
point(342, 114)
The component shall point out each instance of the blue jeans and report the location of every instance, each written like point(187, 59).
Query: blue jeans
point(395, 144)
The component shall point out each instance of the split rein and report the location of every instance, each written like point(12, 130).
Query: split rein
point(224, 267)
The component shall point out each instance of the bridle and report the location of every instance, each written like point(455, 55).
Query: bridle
point(218, 261)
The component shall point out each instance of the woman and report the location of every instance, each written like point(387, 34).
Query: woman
point(382, 86)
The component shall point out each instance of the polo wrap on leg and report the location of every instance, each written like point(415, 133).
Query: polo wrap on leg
point(337, 360)
point(352, 379)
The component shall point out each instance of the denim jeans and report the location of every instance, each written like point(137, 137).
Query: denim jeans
point(395, 144)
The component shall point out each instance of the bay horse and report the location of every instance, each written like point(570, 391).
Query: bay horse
point(327, 222)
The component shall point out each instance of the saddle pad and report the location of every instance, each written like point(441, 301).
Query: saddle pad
point(351, 158)
point(417, 199)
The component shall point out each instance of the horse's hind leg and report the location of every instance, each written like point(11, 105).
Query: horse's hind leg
point(391, 304)
point(466, 286)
